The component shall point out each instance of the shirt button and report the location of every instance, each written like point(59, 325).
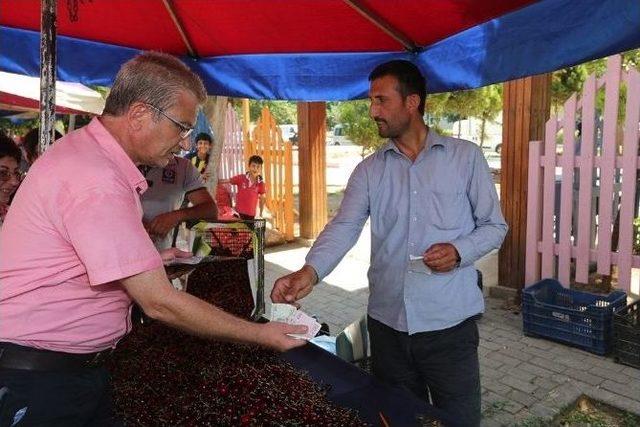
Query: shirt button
point(415, 218)
point(415, 192)
point(412, 244)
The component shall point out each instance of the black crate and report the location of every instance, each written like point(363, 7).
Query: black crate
point(573, 317)
point(626, 335)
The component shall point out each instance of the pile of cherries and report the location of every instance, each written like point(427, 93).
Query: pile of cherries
point(224, 283)
point(164, 377)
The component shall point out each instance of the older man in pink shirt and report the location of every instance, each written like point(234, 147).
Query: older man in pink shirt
point(74, 252)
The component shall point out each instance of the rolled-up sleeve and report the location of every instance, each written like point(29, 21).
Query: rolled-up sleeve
point(490, 225)
point(344, 229)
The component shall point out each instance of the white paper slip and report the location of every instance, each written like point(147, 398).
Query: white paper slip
point(417, 265)
point(281, 312)
point(300, 318)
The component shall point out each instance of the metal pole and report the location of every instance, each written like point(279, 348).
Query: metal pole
point(47, 72)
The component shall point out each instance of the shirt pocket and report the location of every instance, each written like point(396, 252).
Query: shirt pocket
point(447, 208)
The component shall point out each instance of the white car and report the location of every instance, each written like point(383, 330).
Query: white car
point(337, 136)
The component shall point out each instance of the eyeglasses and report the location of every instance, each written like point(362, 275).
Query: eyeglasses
point(6, 175)
point(185, 131)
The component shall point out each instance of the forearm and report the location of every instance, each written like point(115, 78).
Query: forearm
point(480, 242)
point(190, 314)
point(332, 244)
point(205, 211)
point(163, 302)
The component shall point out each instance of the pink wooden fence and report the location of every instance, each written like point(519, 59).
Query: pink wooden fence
point(596, 175)
point(232, 160)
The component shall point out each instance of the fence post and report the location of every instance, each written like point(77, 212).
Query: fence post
point(629, 180)
point(566, 192)
point(585, 167)
point(534, 198)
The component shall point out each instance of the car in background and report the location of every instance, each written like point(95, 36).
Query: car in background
point(289, 133)
point(492, 145)
point(337, 136)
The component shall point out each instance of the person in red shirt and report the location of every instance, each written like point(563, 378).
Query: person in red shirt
point(250, 188)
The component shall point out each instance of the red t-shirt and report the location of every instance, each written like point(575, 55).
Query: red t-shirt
point(248, 193)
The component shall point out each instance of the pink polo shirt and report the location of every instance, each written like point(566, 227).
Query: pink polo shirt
point(73, 230)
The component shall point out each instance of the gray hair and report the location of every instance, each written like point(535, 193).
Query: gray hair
point(154, 78)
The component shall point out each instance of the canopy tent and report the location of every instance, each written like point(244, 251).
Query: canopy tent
point(22, 93)
point(322, 50)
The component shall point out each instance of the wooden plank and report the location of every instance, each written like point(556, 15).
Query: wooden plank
point(607, 171)
point(585, 166)
point(246, 129)
point(593, 255)
point(505, 272)
point(629, 179)
point(288, 195)
point(566, 191)
point(312, 168)
point(526, 106)
point(534, 201)
point(520, 155)
point(548, 202)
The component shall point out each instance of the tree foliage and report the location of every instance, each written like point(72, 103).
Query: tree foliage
point(358, 126)
point(284, 112)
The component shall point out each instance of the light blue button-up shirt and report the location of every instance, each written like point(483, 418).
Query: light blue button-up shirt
point(446, 195)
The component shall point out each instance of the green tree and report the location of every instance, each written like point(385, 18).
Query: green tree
point(358, 126)
point(284, 112)
point(484, 103)
point(490, 105)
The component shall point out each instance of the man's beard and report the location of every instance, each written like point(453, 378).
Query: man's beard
point(391, 132)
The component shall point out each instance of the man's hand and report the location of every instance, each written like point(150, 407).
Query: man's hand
point(294, 286)
point(441, 257)
point(163, 223)
point(274, 335)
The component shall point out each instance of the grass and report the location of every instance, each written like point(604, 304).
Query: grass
point(585, 411)
point(589, 412)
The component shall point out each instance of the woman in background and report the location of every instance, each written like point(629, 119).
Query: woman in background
point(9, 172)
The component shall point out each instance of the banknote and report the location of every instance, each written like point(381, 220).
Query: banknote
point(287, 313)
point(281, 312)
point(301, 318)
point(417, 265)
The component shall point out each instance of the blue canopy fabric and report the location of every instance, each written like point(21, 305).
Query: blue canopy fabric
point(541, 37)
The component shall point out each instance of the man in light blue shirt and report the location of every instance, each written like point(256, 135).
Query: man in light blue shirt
point(434, 211)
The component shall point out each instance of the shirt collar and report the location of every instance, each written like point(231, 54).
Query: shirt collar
point(434, 139)
point(116, 153)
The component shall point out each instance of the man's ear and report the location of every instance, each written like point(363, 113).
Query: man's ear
point(413, 102)
point(138, 115)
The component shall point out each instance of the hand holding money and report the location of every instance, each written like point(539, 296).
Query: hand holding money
point(287, 313)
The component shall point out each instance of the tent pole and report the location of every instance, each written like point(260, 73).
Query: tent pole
point(47, 72)
point(383, 25)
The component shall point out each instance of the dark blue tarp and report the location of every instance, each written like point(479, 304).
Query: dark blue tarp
point(542, 37)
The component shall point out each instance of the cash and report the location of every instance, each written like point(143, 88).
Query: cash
point(287, 313)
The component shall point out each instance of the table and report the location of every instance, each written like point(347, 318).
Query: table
point(354, 388)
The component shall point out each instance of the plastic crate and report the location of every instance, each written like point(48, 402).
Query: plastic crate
point(626, 335)
point(572, 317)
